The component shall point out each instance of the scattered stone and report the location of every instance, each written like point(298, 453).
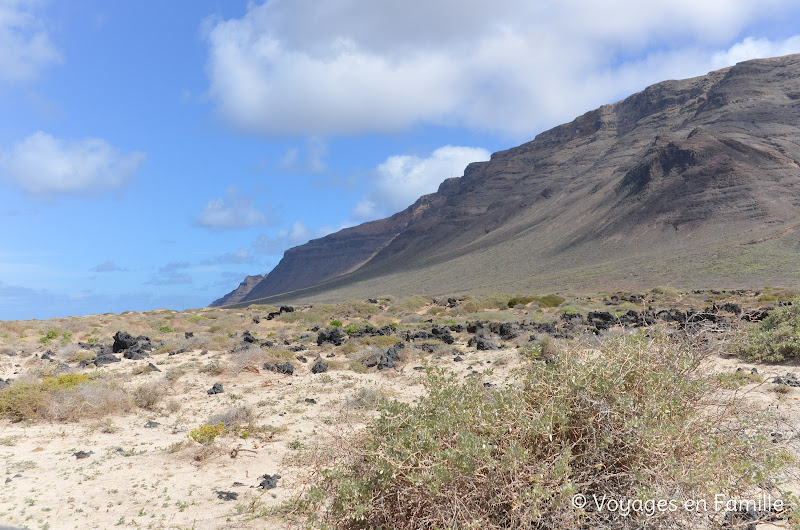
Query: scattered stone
point(601, 320)
point(334, 336)
point(372, 301)
point(320, 367)
point(256, 320)
point(134, 355)
point(248, 338)
point(301, 358)
point(216, 389)
point(285, 368)
point(8, 479)
point(269, 482)
point(418, 368)
point(82, 454)
point(482, 343)
point(457, 359)
point(188, 334)
point(153, 367)
point(106, 359)
point(182, 350)
point(311, 401)
point(151, 424)
point(390, 358)
point(789, 379)
point(227, 495)
point(237, 484)
point(134, 348)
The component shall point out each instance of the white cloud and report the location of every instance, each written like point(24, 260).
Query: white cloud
point(234, 211)
point(42, 165)
point(752, 48)
point(107, 266)
point(298, 234)
point(401, 180)
point(240, 256)
point(309, 159)
point(355, 66)
point(25, 47)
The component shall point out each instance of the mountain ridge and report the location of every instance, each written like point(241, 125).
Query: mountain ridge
point(681, 174)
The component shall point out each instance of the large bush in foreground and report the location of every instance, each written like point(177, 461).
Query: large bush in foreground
point(638, 420)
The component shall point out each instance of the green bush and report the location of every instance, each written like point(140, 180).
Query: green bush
point(519, 299)
point(197, 318)
point(550, 300)
point(628, 423)
point(165, 329)
point(50, 335)
point(336, 323)
point(206, 433)
point(775, 339)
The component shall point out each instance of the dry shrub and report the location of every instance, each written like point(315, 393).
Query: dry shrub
point(149, 395)
point(637, 420)
point(253, 357)
point(88, 401)
point(75, 354)
point(235, 417)
point(29, 397)
point(214, 367)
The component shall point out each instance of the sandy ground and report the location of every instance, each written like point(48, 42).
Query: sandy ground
point(156, 477)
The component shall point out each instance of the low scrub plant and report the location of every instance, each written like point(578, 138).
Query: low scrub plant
point(64, 397)
point(638, 420)
point(206, 433)
point(520, 300)
point(550, 300)
point(775, 339)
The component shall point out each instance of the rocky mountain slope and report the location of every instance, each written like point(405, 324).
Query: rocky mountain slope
point(238, 294)
point(691, 183)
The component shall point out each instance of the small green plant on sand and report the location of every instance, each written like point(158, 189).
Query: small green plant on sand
point(206, 433)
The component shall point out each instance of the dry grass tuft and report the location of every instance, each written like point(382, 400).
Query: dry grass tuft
point(88, 401)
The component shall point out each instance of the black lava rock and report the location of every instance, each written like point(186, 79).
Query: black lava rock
point(227, 495)
point(269, 482)
point(106, 359)
point(334, 336)
point(482, 343)
point(319, 367)
point(285, 368)
point(216, 389)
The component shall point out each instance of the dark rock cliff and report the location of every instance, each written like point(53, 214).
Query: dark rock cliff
point(660, 174)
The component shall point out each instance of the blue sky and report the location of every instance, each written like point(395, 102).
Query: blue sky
point(152, 154)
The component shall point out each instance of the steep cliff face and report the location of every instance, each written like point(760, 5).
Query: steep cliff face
point(680, 167)
point(238, 294)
